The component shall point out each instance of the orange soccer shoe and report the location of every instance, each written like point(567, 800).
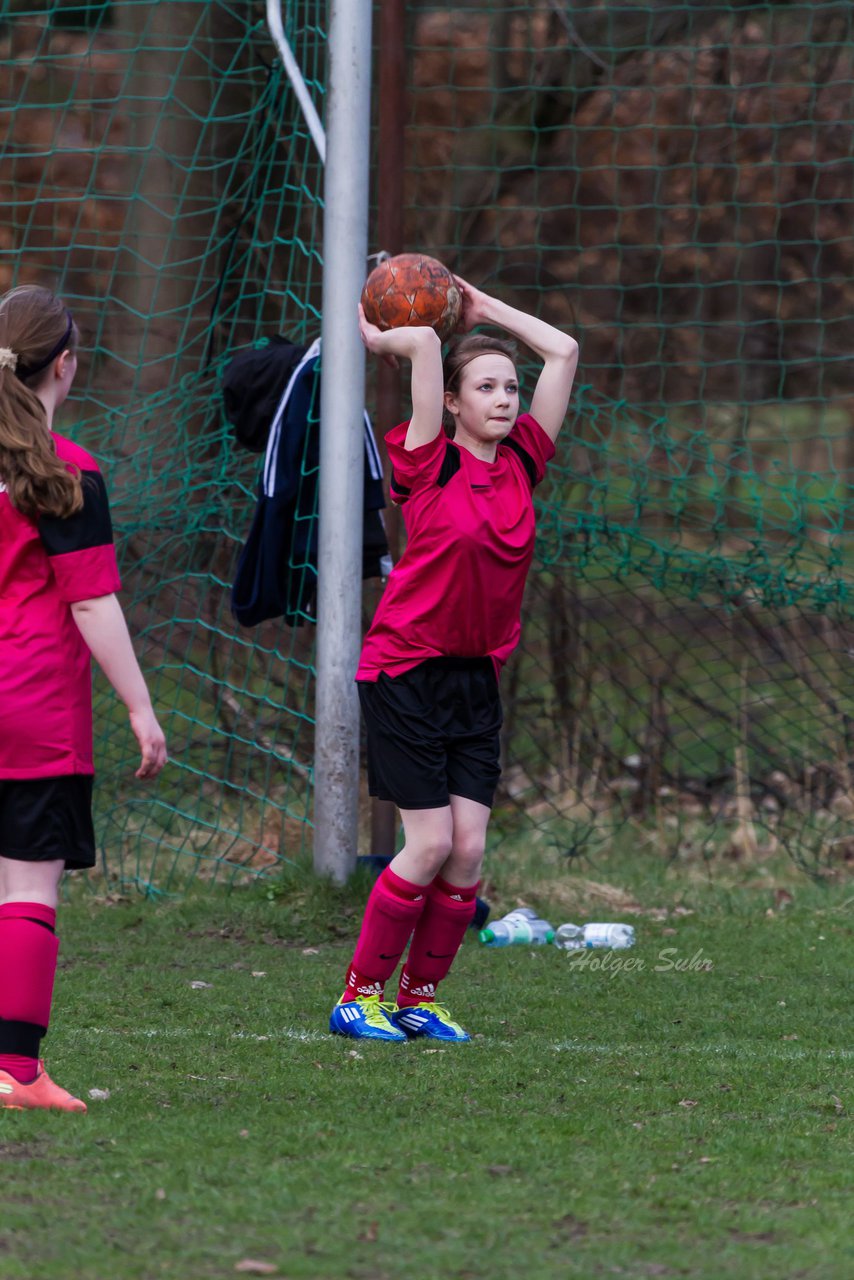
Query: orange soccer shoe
point(40, 1093)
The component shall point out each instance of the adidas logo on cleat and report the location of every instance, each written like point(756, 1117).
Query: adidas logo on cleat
point(350, 1012)
point(414, 1021)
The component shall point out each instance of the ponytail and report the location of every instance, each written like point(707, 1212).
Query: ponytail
point(35, 328)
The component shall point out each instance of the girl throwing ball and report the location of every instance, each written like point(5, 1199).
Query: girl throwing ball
point(58, 578)
point(448, 621)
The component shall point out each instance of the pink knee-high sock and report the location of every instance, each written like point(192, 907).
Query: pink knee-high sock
point(436, 940)
point(28, 951)
point(392, 913)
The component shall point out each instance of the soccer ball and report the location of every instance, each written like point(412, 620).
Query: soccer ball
point(412, 289)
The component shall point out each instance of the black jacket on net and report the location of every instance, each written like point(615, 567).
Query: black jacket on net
point(272, 400)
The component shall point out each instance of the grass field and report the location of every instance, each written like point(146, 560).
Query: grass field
point(665, 1118)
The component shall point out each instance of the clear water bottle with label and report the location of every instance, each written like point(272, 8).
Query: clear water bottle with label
point(522, 927)
point(577, 937)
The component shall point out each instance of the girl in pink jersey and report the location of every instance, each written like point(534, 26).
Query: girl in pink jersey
point(58, 578)
point(447, 622)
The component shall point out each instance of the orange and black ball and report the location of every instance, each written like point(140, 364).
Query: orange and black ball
point(412, 289)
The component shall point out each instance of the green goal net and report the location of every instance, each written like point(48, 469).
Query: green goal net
point(156, 171)
point(673, 183)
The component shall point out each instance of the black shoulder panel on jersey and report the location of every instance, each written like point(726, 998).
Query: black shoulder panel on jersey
point(450, 465)
point(89, 527)
point(525, 458)
point(397, 487)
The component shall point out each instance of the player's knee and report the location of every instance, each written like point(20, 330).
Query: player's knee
point(430, 852)
point(436, 852)
point(467, 854)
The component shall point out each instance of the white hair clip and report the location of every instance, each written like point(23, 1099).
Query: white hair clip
point(8, 358)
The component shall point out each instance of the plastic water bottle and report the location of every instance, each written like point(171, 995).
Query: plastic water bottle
point(570, 937)
point(522, 927)
point(575, 937)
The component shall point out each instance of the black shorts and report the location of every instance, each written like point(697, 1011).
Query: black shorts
point(433, 732)
point(45, 819)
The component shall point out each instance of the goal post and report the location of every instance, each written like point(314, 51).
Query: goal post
point(339, 596)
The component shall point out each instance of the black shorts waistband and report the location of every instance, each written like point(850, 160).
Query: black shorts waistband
point(452, 662)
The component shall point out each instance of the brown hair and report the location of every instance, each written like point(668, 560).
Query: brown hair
point(35, 328)
point(460, 354)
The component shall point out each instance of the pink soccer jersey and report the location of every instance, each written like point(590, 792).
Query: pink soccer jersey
point(46, 565)
point(457, 589)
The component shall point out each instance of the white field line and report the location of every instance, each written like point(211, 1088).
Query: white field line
point(724, 1049)
point(191, 1033)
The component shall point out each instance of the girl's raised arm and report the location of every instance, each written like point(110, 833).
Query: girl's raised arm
point(557, 350)
point(423, 348)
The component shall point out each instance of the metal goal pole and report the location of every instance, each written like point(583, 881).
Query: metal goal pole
point(341, 481)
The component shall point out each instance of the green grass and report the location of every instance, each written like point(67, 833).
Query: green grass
point(652, 1122)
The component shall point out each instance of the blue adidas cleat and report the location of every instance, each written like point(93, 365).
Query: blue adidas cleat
point(430, 1020)
point(366, 1018)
